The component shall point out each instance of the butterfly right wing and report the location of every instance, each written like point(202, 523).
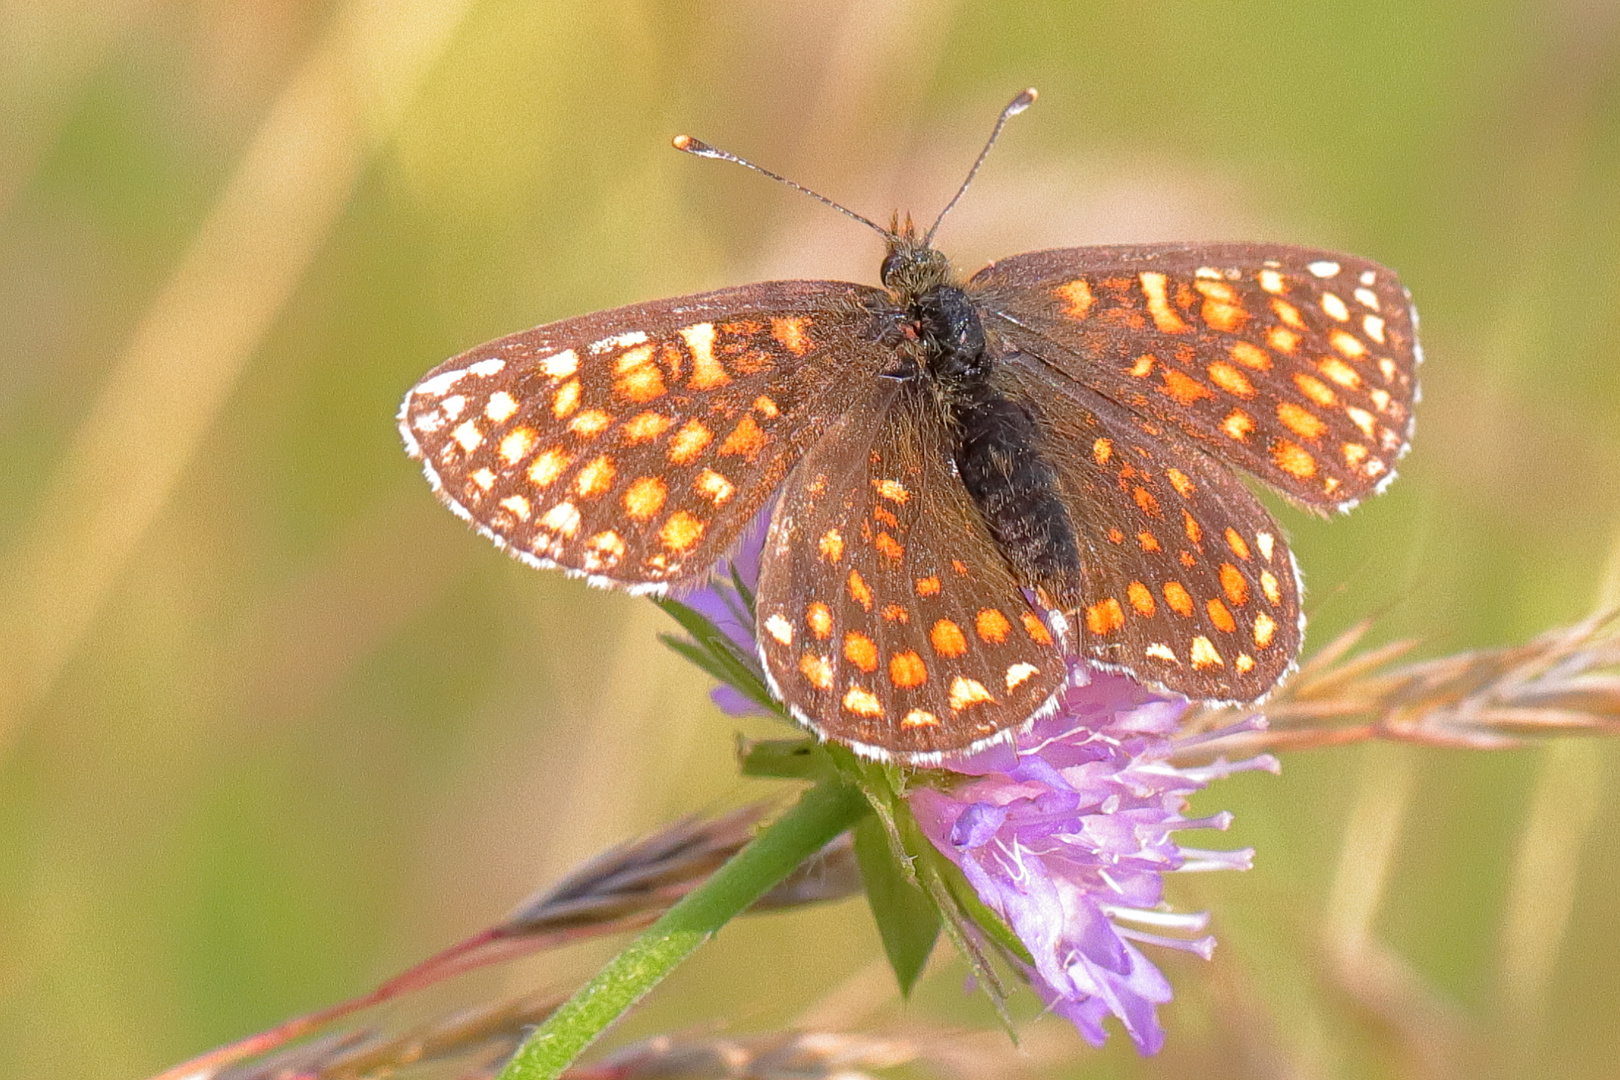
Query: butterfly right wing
point(633, 445)
point(888, 619)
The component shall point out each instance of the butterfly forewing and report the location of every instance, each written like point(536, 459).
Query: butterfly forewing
point(1188, 583)
point(1296, 365)
point(633, 445)
point(888, 618)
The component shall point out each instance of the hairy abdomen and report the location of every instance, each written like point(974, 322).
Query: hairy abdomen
point(1014, 487)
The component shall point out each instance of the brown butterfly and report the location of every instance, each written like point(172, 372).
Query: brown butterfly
point(967, 472)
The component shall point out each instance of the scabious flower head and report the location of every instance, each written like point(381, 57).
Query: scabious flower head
point(1066, 833)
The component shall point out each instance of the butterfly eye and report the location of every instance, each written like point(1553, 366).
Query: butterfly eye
point(891, 263)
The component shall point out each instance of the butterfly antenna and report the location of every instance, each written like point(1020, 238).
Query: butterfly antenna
point(1014, 107)
point(698, 148)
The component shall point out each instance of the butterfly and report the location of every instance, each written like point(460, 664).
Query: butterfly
point(972, 477)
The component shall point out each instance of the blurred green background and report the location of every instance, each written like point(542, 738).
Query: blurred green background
point(274, 724)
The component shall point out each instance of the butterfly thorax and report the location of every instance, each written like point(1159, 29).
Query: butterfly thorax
point(997, 444)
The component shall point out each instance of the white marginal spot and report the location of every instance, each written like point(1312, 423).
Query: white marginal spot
point(780, 629)
point(1208, 272)
point(428, 423)
point(562, 518)
point(453, 406)
point(1160, 651)
point(500, 406)
point(1368, 277)
point(1266, 542)
point(440, 383)
point(560, 365)
point(1335, 307)
point(485, 368)
point(1272, 282)
point(1386, 367)
point(468, 436)
point(1020, 673)
point(484, 478)
point(618, 341)
point(1374, 327)
point(1368, 298)
point(518, 505)
point(1362, 419)
point(1380, 398)
point(1324, 268)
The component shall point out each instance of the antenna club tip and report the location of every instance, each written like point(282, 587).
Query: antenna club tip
point(685, 143)
point(1023, 101)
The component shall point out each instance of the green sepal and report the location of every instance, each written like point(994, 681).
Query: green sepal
point(710, 649)
point(785, 759)
point(907, 920)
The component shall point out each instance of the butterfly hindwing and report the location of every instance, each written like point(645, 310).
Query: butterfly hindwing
point(888, 618)
point(634, 445)
point(1188, 583)
point(1296, 365)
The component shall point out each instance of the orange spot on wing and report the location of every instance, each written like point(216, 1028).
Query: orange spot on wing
point(907, 670)
point(1234, 585)
point(1227, 318)
point(1035, 628)
point(566, 399)
point(1102, 450)
point(992, 625)
point(1340, 372)
point(1158, 303)
point(1183, 388)
point(590, 423)
point(1178, 480)
point(746, 440)
point(791, 333)
point(1180, 601)
point(1145, 500)
point(1235, 541)
point(1105, 616)
point(1288, 313)
point(681, 532)
point(547, 466)
point(1148, 541)
point(1293, 459)
point(831, 545)
point(1237, 425)
point(1316, 390)
point(644, 497)
point(1301, 421)
point(1282, 339)
point(1250, 356)
point(1076, 297)
point(517, 443)
point(1143, 367)
point(1220, 616)
point(687, 443)
point(707, 372)
point(819, 617)
point(714, 487)
point(1230, 379)
point(861, 651)
point(889, 547)
point(1194, 531)
point(596, 478)
point(896, 614)
point(859, 591)
point(644, 427)
point(947, 638)
point(1141, 598)
point(928, 586)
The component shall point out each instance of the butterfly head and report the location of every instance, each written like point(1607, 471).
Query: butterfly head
point(911, 267)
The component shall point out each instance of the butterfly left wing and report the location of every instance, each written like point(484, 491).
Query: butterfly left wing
point(1296, 365)
point(888, 618)
point(632, 446)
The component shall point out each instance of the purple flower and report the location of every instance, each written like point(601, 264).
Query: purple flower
point(720, 603)
point(1066, 833)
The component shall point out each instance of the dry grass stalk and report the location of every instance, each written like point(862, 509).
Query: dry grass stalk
point(625, 888)
point(1564, 682)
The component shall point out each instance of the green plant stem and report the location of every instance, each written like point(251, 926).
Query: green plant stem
point(821, 814)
